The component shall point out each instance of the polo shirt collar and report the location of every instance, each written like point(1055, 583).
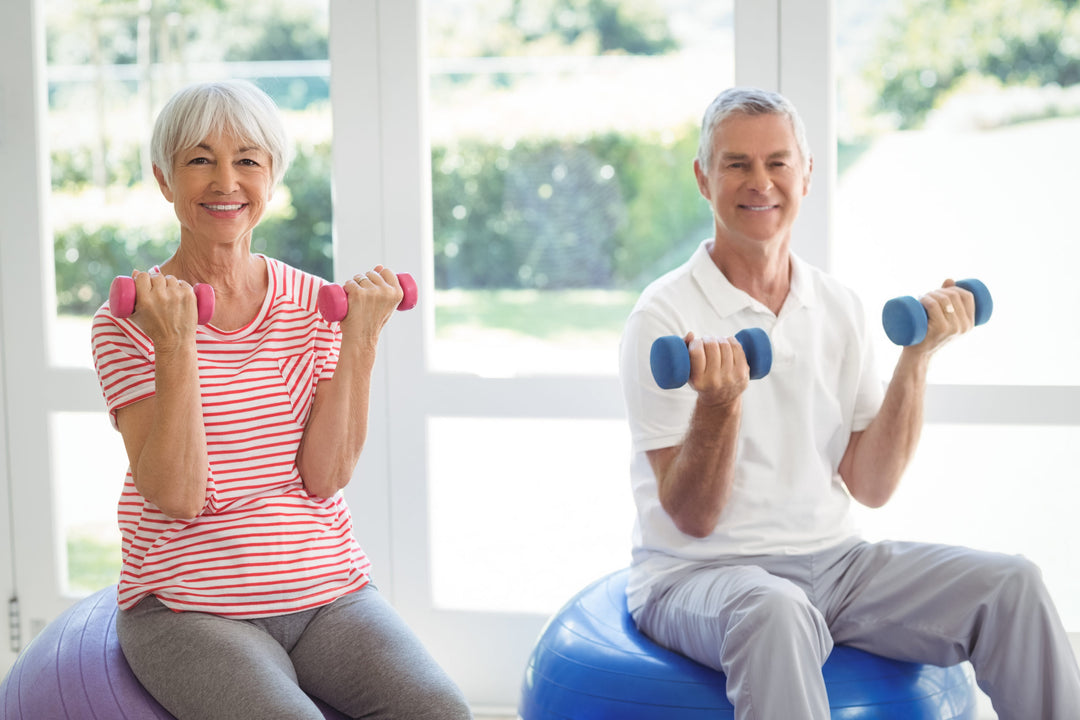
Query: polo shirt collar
point(726, 299)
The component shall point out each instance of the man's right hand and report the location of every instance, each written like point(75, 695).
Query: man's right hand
point(719, 372)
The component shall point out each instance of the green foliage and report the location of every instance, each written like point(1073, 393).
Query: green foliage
point(602, 212)
point(635, 27)
point(607, 211)
point(303, 237)
point(935, 45)
point(551, 27)
point(93, 563)
point(611, 211)
point(548, 314)
point(72, 168)
point(87, 257)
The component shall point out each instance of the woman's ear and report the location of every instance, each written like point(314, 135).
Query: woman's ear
point(164, 186)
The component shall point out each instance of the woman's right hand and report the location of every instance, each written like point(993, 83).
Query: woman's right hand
point(165, 309)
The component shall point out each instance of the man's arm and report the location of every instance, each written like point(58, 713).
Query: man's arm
point(694, 478)
point(876, 458)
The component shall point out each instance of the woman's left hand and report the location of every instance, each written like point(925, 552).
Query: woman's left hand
point(373, 298)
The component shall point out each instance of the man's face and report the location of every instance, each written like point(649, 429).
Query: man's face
point(756, 181)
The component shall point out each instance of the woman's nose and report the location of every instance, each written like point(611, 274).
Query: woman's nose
point(224, 179)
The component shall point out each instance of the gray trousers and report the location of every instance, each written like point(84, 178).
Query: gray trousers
point(355, 654)
point(770, 622)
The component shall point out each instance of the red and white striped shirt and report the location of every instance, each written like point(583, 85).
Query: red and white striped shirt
point(262, 545)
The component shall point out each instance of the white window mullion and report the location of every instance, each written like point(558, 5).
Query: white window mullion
point(757, 44)
point(26, 304)
point(355, 91)
point(807, 78)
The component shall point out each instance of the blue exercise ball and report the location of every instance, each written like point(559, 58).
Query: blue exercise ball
point(592, 662)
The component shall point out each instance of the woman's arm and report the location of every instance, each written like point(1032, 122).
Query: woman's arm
point(164, 435)
point(337, 426)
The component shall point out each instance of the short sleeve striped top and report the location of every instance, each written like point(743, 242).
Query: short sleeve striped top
point(262, 545)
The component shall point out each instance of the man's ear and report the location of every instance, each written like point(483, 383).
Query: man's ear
point(160, 177)
point(702, 180)
point(806, 180)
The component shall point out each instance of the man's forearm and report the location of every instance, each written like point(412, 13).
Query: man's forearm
point(695, 482)
point(877, 457)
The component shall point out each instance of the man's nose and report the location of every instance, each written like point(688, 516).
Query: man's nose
point(760, 179)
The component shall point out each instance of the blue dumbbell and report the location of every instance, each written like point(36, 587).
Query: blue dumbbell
point(669, 357)
point(905, 318)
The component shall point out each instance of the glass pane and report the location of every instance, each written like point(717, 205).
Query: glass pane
point(1006, 489)
point(88, 466)
point(111, 66)
point(545, 507)
point(563, 135)
point(957, 132)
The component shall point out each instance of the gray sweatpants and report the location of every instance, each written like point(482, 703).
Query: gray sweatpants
point(355, 654)
point(769, 623)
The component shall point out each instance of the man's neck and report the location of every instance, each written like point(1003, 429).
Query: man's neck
point(764, 273)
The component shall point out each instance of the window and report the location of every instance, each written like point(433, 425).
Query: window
point(562, 137)
point(562, 142)
point(956, 127)
point(111, 66)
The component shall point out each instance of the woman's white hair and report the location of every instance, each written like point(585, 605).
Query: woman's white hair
point(237, 107)
point(749, 101)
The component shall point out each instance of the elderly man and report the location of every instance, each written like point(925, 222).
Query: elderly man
point(745, 557)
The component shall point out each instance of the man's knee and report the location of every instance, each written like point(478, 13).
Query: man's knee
point(779, 618)
point(1014, 576)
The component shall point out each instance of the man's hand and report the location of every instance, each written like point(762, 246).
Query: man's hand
point(950, 311)
point(718, 369)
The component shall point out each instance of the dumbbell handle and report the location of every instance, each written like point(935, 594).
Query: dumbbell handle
point(669, 357)
point(905, 320)
point(122, 298)
point(334, 303)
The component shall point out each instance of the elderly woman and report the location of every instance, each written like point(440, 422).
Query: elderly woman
point(243, 590)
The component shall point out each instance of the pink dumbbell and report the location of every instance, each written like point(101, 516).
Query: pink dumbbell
point(334, 303)
point(122, 298)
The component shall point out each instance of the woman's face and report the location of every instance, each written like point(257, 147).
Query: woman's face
point(220, 189)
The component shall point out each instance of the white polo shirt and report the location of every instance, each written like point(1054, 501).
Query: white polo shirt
point(787, 497)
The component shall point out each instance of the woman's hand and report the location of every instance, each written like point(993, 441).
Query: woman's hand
point(373, 297)
point(165, 309)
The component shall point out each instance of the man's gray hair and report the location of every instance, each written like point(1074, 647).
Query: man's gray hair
point(749, 101)
point(234, 106)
